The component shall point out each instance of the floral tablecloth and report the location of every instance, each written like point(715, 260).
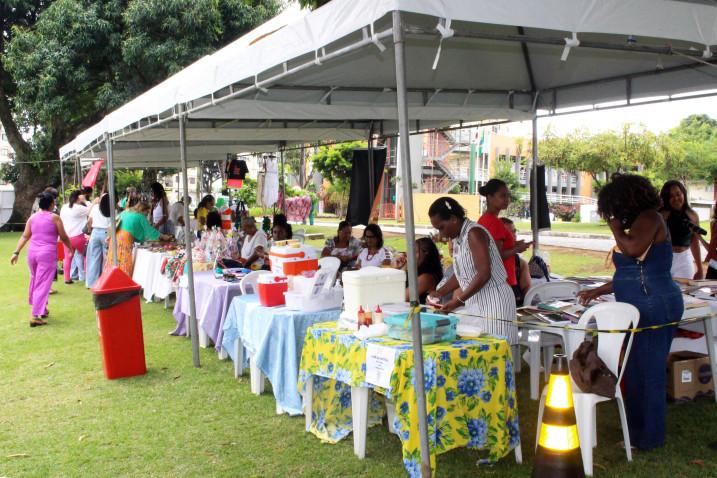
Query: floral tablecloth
point(470, 392)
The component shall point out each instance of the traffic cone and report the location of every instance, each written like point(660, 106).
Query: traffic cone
point(558, 452)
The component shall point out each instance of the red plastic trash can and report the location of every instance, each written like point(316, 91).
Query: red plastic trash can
point(119, 323)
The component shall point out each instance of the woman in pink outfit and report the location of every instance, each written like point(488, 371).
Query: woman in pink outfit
point(41, 230)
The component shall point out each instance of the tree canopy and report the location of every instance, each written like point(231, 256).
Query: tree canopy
point(686, 152)
point(66, 63)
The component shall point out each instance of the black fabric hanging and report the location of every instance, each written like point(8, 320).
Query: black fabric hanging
point(540, 194)
point(361, 198)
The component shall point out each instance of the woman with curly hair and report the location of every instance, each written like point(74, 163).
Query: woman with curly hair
point(629, 203)
point(681, 221)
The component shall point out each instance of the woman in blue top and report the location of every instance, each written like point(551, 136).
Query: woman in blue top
point(642, 278)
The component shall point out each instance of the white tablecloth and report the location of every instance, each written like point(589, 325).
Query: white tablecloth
point(147, 273)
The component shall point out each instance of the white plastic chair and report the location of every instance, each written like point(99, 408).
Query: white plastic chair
point(546, 341)
point(330, 263)
point(607, 316)
point(248, 282)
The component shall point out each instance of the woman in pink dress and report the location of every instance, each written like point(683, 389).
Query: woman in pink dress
point(41, 230)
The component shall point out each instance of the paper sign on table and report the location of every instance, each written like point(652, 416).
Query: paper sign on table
point(379, 365)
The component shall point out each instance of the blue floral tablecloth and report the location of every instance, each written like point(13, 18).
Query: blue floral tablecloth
point(470, 392)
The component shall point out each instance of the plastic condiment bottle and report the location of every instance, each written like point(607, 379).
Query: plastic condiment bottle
point(361, 317)
point(378, 315)
point(367, 316)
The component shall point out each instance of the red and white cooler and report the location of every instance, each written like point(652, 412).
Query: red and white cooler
point(271, 288)
point(290, 258)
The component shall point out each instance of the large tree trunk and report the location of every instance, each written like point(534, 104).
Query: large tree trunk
point(32, 180)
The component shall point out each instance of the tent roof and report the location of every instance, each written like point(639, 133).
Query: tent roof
point(336, 63)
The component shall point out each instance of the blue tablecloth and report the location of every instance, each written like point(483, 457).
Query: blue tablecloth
point(274, 336)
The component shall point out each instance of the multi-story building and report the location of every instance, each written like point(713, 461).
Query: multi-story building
point(451, 158)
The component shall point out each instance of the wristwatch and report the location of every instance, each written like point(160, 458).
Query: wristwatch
point(16, 253)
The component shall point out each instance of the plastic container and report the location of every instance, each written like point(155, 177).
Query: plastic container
point(271, 289)
point(434, 327)
point(372, 286)
point(291, 258)
point(119, 324)
point(327, 299)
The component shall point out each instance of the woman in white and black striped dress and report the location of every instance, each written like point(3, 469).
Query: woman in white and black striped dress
point(479, 272)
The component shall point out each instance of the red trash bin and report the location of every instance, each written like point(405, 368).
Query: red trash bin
point(119, 323)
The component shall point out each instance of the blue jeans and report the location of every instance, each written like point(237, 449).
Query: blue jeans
point(96, 253)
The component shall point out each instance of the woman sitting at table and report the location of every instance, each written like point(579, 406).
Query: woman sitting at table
point(484, 294)
point(344, 246)
point(254, 245)
point(629, 204)
point(132, 227)
point(429, 267)
point(374, 254)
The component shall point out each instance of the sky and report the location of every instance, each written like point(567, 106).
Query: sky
point(658, 117)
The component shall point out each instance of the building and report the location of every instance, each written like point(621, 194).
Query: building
point(449, 159)
point(6, 152)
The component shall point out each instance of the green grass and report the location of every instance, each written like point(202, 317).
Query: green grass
point(566, 262)
point(61, 417)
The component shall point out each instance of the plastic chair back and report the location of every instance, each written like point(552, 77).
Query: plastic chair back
point(249, 281)
point(299, 235)
point(548, 291)
point(612, 316)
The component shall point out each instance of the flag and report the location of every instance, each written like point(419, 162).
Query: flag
point(91, 177)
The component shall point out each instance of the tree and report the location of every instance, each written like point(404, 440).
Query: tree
point(689, 151)
point(602, 154)
point(312, 4)
point(334, 164)
point(66, 63)
point(504, 171)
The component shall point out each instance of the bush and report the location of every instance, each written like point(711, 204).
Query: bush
point(565, 212)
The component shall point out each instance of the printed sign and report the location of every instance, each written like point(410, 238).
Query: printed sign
point(379, 365)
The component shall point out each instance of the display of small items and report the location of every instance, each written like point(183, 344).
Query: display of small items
point(367, 318)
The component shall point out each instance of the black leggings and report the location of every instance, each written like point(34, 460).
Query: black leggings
point(711, 273)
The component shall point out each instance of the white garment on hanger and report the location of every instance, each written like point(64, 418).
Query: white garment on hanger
point(271, 182)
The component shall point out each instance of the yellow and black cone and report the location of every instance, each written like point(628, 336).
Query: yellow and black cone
point(558, 452)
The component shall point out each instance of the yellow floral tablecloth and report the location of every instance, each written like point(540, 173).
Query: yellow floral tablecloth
point(470, 392)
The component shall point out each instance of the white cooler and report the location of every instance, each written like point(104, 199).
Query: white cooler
point(371, 286)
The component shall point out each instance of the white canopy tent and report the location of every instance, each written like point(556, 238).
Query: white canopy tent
point(428, 61)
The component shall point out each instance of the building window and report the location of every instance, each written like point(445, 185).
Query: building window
point(192, 181)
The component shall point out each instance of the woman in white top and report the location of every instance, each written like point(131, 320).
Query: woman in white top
point(252, 249)
point(74, 217)
point(160, 210)
point(374, 254)
point(98, 221)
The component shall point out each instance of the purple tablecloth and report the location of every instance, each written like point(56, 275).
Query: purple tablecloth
point(212, 297)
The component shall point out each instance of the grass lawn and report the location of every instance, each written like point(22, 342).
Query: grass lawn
point(524, 226)
point(567, 262)
point(61, 417)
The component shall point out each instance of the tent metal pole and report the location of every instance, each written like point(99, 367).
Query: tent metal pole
point(62, 180)
point(193, 329)
point(282, 146)
point(400, 60)
point(534, 189)
point(113, 199)
point(371, 185)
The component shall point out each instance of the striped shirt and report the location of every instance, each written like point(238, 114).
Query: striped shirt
point(495, 300)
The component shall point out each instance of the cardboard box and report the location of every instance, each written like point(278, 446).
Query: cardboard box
point(688, 376)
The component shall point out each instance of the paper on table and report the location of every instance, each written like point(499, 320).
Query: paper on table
point(379, 365)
